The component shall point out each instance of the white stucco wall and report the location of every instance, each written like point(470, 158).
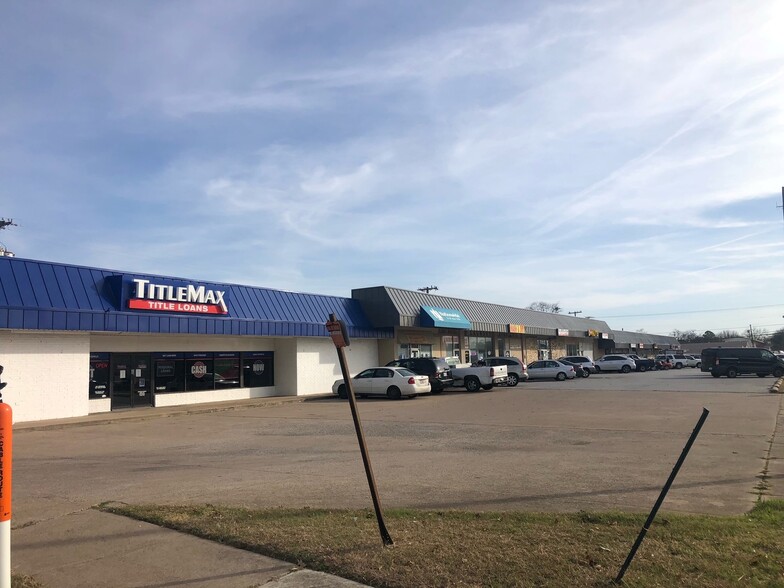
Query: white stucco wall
point(318, 366)
point(47, 374)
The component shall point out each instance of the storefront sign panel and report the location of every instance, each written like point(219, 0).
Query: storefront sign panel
point(172, 296)
point(517, 328)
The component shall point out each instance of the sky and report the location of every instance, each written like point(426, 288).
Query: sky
point(620, 158)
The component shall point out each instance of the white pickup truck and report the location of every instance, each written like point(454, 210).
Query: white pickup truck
point(472, 378)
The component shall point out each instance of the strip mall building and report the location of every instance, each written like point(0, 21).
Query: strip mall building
point(78, 340)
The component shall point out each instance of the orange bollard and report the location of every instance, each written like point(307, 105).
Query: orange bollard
point(6, 451)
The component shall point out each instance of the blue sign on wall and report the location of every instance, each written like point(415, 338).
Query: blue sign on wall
point(433, 316)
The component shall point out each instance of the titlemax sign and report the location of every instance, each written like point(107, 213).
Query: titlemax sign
point(162, 297)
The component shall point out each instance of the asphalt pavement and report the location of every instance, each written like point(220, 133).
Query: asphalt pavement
point(89, 548)
point(604, 442)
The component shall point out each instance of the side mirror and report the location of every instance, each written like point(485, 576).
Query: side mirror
point(3, 385)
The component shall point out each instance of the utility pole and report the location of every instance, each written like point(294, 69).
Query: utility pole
point(782, 203)
point(427, 289)
point(575, 312)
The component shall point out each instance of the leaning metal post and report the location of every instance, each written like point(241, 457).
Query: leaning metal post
point(337, 331)
point(662, 495)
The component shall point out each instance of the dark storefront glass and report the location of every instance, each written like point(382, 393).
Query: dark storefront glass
point(257, 369)
point(178, 372)
point(99, 375)
point(199, 372)
point(169, 372)
point(227, 370)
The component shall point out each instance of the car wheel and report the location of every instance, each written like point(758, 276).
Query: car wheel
point(643, 368)
point(699, 365)
point(761, 375)
point(715, 374)
point(393, 393)
point(560, 377)
point(512, 380)
point(342, 392)
point(626, 369)
point(488, 387)
point(678, 366)
point(472, 384)
point(436, 390)
point(598, 369)
point(778, 372)
point(732, 372)
point(586, 373)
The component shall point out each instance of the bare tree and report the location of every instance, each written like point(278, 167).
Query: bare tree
point(728, 335)
point(7, 222)
point(757, 334)
point(545, 306)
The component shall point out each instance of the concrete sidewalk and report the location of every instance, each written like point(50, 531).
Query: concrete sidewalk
point(103, 550)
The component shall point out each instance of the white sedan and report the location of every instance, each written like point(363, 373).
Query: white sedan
point(392, 382)
point(615, 363)
point(548, 369)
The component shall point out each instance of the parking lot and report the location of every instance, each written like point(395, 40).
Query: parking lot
point(608, 441)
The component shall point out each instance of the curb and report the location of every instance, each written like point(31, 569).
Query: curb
point(776, 388)
point(147, 413)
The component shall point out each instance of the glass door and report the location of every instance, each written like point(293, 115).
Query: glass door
point(131, 380)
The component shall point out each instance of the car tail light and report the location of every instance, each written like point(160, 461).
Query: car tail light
point(411, 380)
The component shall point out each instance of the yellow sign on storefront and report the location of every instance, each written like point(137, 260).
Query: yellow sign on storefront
point(517, 328)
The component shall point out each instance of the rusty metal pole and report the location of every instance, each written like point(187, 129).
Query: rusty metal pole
point(337, 331)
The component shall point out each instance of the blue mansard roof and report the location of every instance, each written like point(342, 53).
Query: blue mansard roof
point(39, 295)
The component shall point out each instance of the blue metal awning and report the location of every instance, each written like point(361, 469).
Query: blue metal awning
point(433, 316)
point(38, 295)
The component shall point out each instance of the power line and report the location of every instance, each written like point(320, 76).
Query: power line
point(692, 311)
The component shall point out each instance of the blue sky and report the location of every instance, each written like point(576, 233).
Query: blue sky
point(621, 158)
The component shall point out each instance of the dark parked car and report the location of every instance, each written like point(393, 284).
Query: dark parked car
point(643, 363)
point(733, 361)
point(435, 368)
point(580, 369)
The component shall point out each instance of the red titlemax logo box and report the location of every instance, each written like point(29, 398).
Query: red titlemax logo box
point(165, 306)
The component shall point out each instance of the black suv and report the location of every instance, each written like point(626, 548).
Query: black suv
point(435, 368)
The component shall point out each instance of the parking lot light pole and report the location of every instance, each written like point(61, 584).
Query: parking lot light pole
point(337, 330)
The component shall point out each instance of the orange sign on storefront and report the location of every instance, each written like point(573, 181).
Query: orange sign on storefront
point(517, 328)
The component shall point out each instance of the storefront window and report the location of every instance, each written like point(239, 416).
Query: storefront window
point(544, 348)
point(479, 348)
point(406, 350)
point(169, 372)
point(257, 369)
point(227, 370)
point(99, 375)
point(181, 372)
point(572, 349)
point(199, 372)
point(451, 345)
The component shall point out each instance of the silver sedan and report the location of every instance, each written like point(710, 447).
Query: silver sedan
point(547, 369)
